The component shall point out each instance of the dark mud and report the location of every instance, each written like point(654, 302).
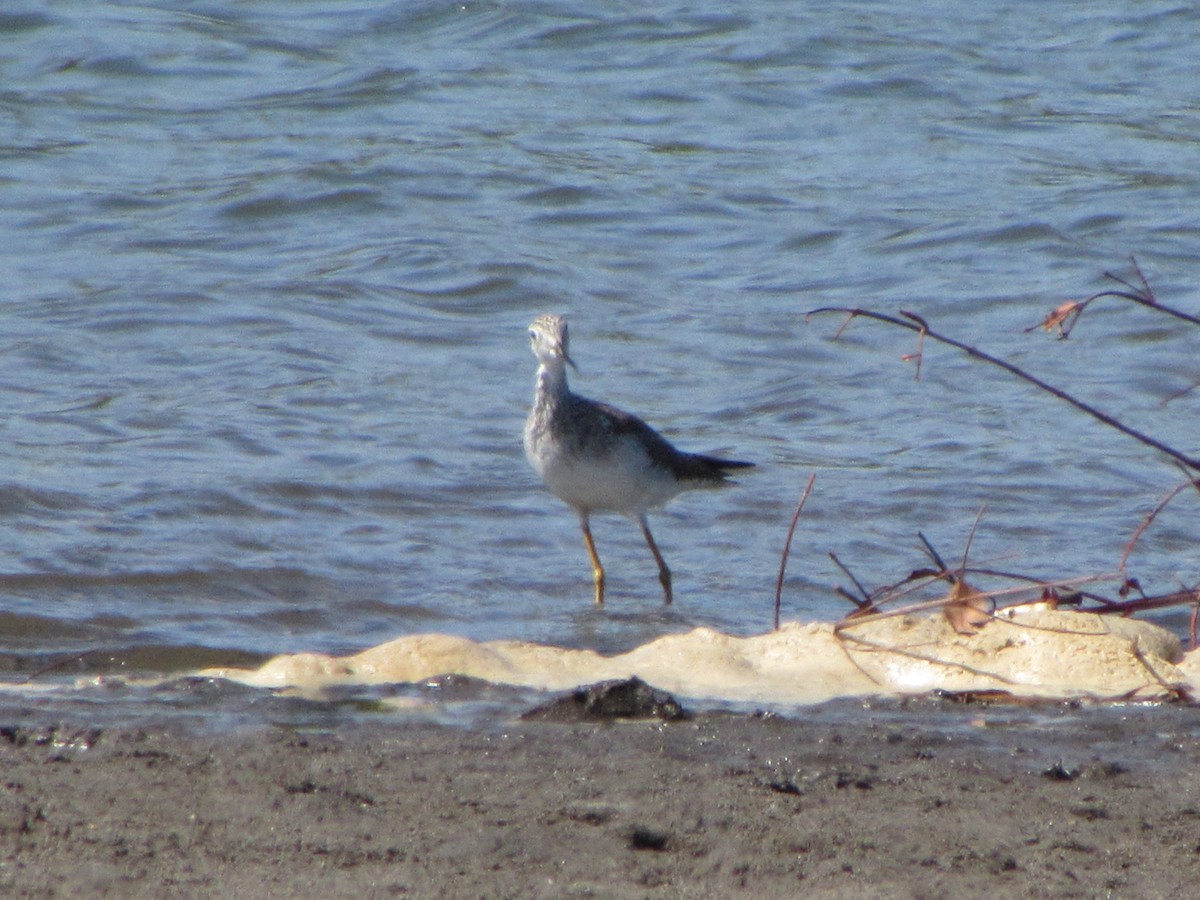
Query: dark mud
point(925, 802)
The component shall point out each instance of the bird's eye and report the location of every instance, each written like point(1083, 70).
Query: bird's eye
point(532, 333)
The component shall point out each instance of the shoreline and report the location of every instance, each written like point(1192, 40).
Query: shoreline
point(978, 801)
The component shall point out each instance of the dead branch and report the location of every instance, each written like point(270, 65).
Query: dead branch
point(890, 593)
point(1064, 317)
point(850, 658)
point(1182, 392)
point(1142, 604)
point(787, 545)
point(866, 602)
point(1150, 517)
point(900, 651)
point(971, 536)
point(963, 599)
point(846, 595)
point(1104, 606)
point(917, 356)
point(1177, 691)
point(964, 602)
point(61, 663)
point(913, 322)
point(856, 619)
point(933, 554)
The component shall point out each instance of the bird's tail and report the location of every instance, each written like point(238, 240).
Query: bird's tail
point(712, 469)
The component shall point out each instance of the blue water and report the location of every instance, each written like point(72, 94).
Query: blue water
point(268, 266)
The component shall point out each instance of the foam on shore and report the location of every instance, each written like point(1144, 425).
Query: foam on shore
point(1029, 652)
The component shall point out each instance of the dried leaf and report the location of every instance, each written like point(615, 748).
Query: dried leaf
point(1061, 314)
point(967, 610)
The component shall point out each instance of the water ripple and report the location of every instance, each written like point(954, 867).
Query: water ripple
point(269, 267)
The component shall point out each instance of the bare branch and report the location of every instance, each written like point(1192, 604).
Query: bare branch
point(1150, 516)
point(787, 545)
point(846, 595)
point(913, 322)
point(1178, 691)
point(933, 554)
point(1066, 315)
point(971, 536)
point(866, 600)
point(933, 660)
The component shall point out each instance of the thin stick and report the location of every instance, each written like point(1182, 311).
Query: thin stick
point(1183, 392)
point(1141, 604)
point(854, 621)
point(866, 595)
point(1150, 516)
point(915, 323)
point(1067, 315)
point(787, 545)
point(933, 554)
point(845, 594)
point(971, 535)
point(854, 662)
point(857, 618)
point(918, 356)
point(949, 664)
point(892, 592)
point(59, 664)
point(1175, 690)
point(1143, 295)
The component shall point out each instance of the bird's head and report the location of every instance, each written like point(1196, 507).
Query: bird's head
point(550, 341)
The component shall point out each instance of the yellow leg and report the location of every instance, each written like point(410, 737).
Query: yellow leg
point(664, 574)
point(597, 569)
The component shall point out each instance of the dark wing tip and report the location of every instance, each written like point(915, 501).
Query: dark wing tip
point(735, 464)
point(712, 468)
point(717, 462)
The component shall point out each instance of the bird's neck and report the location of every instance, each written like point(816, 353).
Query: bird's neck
point(551, 382)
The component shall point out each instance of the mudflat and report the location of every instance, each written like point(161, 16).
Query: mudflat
point(971, 802)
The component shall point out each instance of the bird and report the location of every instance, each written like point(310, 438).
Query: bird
point(596, 458)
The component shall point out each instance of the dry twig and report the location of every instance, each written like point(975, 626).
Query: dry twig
point(1150, 517)
point(787, 545)
point(1063, 318)
point(913, 322)
point(964, 600)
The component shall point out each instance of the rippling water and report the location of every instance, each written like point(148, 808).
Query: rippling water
point(263, 366)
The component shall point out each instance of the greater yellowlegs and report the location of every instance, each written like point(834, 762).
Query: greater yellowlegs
point(595, 457)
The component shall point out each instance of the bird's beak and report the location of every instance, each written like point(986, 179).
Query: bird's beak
point(568, 359)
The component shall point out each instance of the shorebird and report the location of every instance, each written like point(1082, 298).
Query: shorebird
point(595, 457)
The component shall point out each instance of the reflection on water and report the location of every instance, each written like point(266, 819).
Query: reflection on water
point(267, 271)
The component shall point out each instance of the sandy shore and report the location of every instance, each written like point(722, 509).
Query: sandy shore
point(968, 802)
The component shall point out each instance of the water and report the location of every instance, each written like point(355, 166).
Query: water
point(263, 365)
